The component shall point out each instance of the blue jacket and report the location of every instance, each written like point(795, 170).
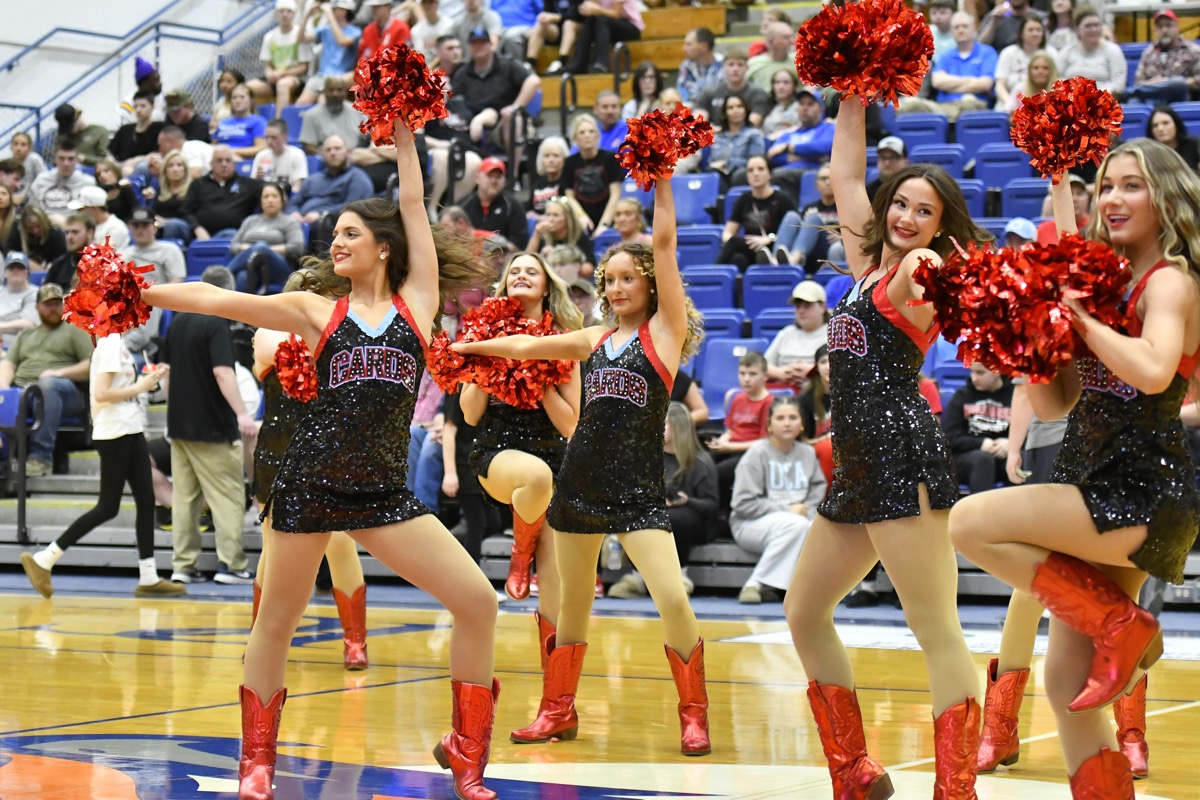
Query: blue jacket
point(808, 147)
point(325, 192)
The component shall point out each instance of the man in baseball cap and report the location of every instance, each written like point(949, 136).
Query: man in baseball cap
point(891, 156)
point(1169, 68)
point(793, 352)
point(18, 299)
point(1019, 232)
point(93, 202)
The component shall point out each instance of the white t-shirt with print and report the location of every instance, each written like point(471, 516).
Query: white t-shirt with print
point(114, 420)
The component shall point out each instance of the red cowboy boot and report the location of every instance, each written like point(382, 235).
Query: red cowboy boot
point(693, 700)
point(545, 631)
point(525, 541)
point(956, 746)
point(1124, 635)
point(839, 723)
point(1104, 776)
point(260, 730)
point(1130, 711)
point(352, 611)
point(464, 751)
point(1000, 744)
point(257, 600)
point(556, 717)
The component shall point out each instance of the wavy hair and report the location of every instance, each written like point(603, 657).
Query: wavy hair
point(557, 301)
point(573, 213)
point(643, 259)
point(31, 213)
point(1041, 55)
point(319, 279)
point(164, 191)
point(683, 438)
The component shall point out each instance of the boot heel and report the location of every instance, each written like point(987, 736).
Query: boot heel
point(881, 789)
point(1008, 762)
point(439, 755)
point(568, 735)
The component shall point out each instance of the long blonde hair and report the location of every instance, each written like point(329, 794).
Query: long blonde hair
point(164, 188)
point(557, 301)
point(683, 439)
point(573, 213)
point(1041, 55)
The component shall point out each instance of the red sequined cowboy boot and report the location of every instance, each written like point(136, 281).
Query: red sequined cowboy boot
point(260, 730)
point(1104, 776)
point(464, 751)
point(257, 600)
point(1000, 744)
point(956, 746)
point(556, 717)
point(352, 611)
point(1124, 635)
point(839, 723)
point(1130, 711)
point(545, 631)
point(525, 541)
point(693, 701)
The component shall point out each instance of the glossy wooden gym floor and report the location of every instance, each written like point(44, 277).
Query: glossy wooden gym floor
point(111, 698)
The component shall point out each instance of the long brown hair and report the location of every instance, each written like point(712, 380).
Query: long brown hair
point(318, 279)
point(8, 216)
point(33, 213)
point(557, 301)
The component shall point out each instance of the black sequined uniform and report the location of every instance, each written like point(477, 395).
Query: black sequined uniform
point(612, 479)
point(886, 441)
point(506, 427)
point(346, 465)
point(281, 412)
point(1127, 453)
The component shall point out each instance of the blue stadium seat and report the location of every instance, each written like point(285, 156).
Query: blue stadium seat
point(768, 286)
point(712, 287)
point(872, 157)
point(977, 128)
point(974, 192)
point(1023, 197)
point(998, 163)
point(534, 107)
point(771, 321)
point(36, 278)
point(719, 323)
point(243, 167)
point(265, 110)
point(730, 198)
point(629, 188)
point(698, 244)
point(1189, 112)
point(887, 115)
point(202, 254)
point(1136, 117)
point(994, 224)
point(836, 289)
point(718, 374)
point(604, 241)
point(292, 116)
point(917, 129)
point(808, 188)
point(825, 275)
point(949, 157)
point(316, 163)
point(694, 196)
point(1133, 54)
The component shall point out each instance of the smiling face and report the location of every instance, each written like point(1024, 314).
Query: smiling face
point(913, 216)
point(526, 281)
point(355, 251)
point(1125, 206)
point(626, 289)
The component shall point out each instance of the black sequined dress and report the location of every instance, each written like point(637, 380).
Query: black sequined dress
point(886, 440)
point(506, 427)
point(346, 465)
point(1127, 453)
point(612, 479)
point(281, 412)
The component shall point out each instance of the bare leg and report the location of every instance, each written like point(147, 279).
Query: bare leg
point(653, 555)
point(1067, 662)
point(344, 565)
point(1020, 632)
point(570, 29)
point(285, 90)
point(577, 554)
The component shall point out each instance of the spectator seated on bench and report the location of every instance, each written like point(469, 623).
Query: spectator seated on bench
point(976, 423)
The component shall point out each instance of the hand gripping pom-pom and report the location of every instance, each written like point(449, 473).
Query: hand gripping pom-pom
point(657, 141)
point(108, 296)
point(1005, 307)
point(392, 84)
point(296, 370)
point(1067, 125)
point(520, 383)
point(874, 50)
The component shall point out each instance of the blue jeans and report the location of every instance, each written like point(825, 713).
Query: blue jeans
point(278, 268)
point(62, 397)
point(425, 467)
point(1174, 90)
point(175, 228)
point(805, 236)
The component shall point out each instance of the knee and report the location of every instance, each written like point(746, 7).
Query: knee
point(966, 525)
point(804, 616)
point(477, 603)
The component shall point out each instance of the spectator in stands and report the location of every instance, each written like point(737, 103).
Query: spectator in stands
point(267, 246)
point(583, 292)
point(167, 260)
point(592, 176)
point(568, 261)
point(814, 413)
point(243, 130)
point(963, 78)
point(8, 213)
point(430, 27)
point(12, 178)
point(1061, 33)
point(810, 237)
point(777, 488)
point(808, 146)
point(1082, 199)
point(331, 117)
point(630, 222)
point(18, 299)
point(770, 15)
point(454, 217)
point(182, 114)
point(280, 162)
point(784, 116)
point(1169, 69)
point(89, 142)
point(518, 18)
point(551, 27)
point(477, 15)
point(667, 101)
point(701, 69)
point(547, 182)
point(425, 470)
point(324, 193)
point(55, 356)
point(384, 30)
point(747, 410)
point(217, 203)
point(647, 86)
point(604, 22)
point(1012, 66)
point(976, 424)
point(339, 45)
point(23, 152)
point(793, 352)
point(77, 230)
point(1019, 232)
point(609, 121)
point(492, 208)
point(561, 224)
point(1166, 126)
point(135, 140)
point(939, 14)
point(1004, 25)
point(285, 59)
point(1093, 56)
point(891, 156)
point(734, 145)
point(36, 235)
point(149, 82)
point(492, 86)
point(711, 102)
point(107, 228)
point(54, 190)
point(756, 216)
point(167, 201)
point(780, 54)
point(1040, 74)
point(449, 55)
point(206, 419)
point(229, 80)
point(122, 199)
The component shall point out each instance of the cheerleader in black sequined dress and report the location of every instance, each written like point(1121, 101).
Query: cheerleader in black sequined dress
point(893, 477)
point(344, 468)
point(1123, 499)
point(612, 479)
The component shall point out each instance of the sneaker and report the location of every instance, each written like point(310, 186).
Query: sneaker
point(233, 576)
point(160, 589)
point(189, 575)
point(36, 468)
point(864, 596)
point(599, 588)
point(770, 595)
point(39, 577)
point(533, 585)
point(206, 523)
point(765, 256)
point(162, 518)
point(750, 595)
point(556, 67)
point(783, 256)
point(628, 587)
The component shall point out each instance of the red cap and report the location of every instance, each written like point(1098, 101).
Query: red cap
point(1166, 12)
point(491, 163)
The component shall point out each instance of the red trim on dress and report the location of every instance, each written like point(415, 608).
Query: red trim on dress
point(652, 354)
point(922, 339)
point(603, 339)
point(340, 308)
point(402, 307)
point(1187, 364)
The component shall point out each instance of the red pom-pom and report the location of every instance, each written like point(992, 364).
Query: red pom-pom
point(874, 49)
point(392, 84)
point(1005, 307)
point(108, 296)
point(1066, 126)
point(296, 370)
point(657, 141)
point(518, 383)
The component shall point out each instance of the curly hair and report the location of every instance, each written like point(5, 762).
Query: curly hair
point(643, 259)
point(557, 301)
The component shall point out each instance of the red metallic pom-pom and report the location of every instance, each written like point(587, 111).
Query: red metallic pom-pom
point(1005, 307)
point(520, 383)
point(874, 49)
point(1067, 125)
point(392, 84)
point(657, 141)
point(108, 296)
point(296, 369)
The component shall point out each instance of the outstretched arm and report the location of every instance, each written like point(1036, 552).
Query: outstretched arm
point(420, 289)
point(301, 313)
point(669, 325)
point(576, 345)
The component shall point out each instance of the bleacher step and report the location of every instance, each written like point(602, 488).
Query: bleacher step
point(59, 510)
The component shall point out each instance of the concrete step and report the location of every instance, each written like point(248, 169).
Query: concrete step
point(59, 510)
point(116, 536)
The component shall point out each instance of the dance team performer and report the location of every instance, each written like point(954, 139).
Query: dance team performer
point(893, 477)
point(612, 479)
point(1123, 502)
point(345, 467)
point(281, 414)
point(518, 451)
